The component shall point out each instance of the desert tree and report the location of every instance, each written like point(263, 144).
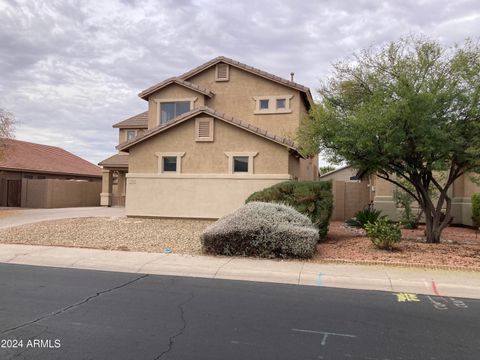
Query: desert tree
point(409, 112)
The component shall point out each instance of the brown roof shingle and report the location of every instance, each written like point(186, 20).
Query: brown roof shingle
point(25, 156)
point(117, 160)
point(204, 109)
point(174, 80)
point(139, 121)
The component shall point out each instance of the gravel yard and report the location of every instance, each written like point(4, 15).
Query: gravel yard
point(460, 247)
point(128, 234)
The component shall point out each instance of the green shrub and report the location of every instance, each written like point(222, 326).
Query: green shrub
point(408, 218)
point(262, 229)
point(312, 198)
point(383, 233)
point(363, 217)
point(476, 209)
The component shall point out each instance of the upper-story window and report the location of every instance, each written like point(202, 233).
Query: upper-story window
point(273, 104)
point(170, 110)
point(131, 134)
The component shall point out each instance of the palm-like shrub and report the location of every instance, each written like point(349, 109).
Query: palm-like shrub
point(363, 217)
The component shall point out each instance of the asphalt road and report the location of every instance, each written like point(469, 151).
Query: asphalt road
point(80, 314)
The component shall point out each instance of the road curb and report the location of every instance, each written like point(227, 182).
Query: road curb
point(400, 264)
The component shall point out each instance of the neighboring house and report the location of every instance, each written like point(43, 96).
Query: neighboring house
point(35, 175)
point(209, 138)
point(379, 192)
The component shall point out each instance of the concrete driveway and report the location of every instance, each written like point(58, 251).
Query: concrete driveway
point(27, 216)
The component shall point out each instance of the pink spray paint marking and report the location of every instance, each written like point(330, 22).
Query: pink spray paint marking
point(435, 291)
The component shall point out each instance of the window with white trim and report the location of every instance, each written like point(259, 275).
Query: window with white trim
point(273, 104)
point(131, 134)
point(240, 162)
point(169, 162)
point(169, 109)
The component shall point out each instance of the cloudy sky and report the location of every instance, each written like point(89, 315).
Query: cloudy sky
point(70, 69)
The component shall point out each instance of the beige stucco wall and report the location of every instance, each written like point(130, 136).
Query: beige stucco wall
point(190, 197)
point(461, 194)
point(53, 193)
point(236, 98)
point(173, 92)
point(294, 166)
point(122, 134)
point(208, 157)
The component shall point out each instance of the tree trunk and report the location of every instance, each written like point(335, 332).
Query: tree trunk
point(433, 224)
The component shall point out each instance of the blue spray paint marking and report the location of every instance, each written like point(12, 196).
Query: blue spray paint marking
point(319, 279)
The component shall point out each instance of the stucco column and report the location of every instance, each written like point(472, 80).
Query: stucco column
point(107, 182)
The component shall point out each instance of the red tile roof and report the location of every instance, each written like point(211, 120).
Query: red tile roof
point(25, 156)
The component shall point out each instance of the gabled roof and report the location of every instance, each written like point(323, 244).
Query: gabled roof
point(139, 121)
point(252, 70)
point(174, 80)
point(218, 115)
point(117, 160)
point(37, 158)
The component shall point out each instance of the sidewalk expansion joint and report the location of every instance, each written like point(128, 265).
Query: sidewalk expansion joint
point(221, 266)
point(300, 273)
point(69, 307)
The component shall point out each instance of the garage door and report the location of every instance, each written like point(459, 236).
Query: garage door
point(14, 188)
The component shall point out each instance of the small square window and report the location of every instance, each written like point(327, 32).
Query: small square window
point(131, 134)
point(264, 104)
point(281, 103)
point(240, 164)
point(169, 163)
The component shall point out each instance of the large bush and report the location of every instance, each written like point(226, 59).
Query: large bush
point(476, 209)
point(262, 229)
point(312, 198)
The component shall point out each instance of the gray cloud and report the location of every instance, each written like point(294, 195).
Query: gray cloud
point(70, 69)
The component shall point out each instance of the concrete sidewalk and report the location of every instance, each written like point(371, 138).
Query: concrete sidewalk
point(392, 279)
point(27, 216)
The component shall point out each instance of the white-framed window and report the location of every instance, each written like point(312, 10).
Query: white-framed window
point(273, 104)
point(222, 72)
point(241, 162)
point(169, 109)
point(131, 134)
point(204, 129)
point(170, 162)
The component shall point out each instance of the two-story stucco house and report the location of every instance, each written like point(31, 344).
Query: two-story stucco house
point(209, 138)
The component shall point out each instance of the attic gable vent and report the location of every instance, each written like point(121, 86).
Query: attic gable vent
point(204, 129)
point(222, 72)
